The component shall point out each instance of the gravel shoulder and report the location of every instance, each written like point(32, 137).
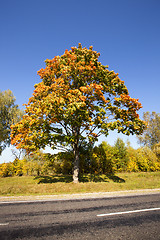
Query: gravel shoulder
point(78, 196)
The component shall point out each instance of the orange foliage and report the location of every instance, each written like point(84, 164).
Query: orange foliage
point(76, 92)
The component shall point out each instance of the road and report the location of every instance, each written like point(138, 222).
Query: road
point(130, 217)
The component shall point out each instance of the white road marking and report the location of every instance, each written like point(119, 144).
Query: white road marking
point(126, 212)
point(3, 224)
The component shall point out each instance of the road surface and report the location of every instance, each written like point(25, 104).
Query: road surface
point(127, 217)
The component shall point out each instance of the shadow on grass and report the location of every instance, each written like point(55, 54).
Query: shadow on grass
point(82, 178)
point(116, 178)
point(101, 178)
point(54, 179)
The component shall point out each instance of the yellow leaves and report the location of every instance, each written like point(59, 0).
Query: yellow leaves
point(73, 49)
point(103, 98)
point(97, 87)
point(99, 119)
point(83, 89)
point(117, 99)
point(74, 91)
point(98, 90)
point(41, 73)
point(31, 122)
point(125, 97)
point(73, 58)
point(83, 98)
point(94, 135)
point(49, 61)
point(53, 120)
point(16, 139)
point(131, 102)
point(88, 89)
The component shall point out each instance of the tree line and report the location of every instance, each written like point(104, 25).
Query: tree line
point(101, 159)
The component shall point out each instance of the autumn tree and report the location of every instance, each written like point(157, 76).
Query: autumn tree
point(77, 100)
point(9, 114)
point(151, 135)
point(103, 159)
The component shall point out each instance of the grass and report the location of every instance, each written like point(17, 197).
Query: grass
point(59, 184)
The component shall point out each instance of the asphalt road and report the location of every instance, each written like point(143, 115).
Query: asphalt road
point(132, 217)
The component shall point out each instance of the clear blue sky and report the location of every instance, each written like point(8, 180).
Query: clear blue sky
point(125, 32)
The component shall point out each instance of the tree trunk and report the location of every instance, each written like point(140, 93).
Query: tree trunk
point(76, 165)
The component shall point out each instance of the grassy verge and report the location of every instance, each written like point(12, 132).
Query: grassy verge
point(45, 185)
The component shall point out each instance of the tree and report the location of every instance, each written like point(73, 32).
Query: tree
point(151, 135)
point(120, 153)
point(9, 114)
point(156, 149)
point(78, 100)
point(103, 159)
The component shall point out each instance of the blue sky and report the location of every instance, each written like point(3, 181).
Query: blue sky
point(125, 32)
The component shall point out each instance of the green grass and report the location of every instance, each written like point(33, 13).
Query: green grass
point(59, 184)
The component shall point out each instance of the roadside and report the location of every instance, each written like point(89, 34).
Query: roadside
point(79, 196)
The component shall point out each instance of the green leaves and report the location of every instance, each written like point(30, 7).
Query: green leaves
point(9, 114)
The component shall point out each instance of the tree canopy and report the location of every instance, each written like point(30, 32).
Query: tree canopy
point(9, 114)
point(151, 135)
point(77, 100)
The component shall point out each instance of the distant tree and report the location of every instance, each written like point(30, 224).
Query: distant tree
point(78, 100)
point(4, 170)
point(120, 153)
point(151, 135)
point(9, 114)
point(132, 165)
point(103, 159)
point(18, 167)
point(17, 153)
point(147, 160)
point(156, 149)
